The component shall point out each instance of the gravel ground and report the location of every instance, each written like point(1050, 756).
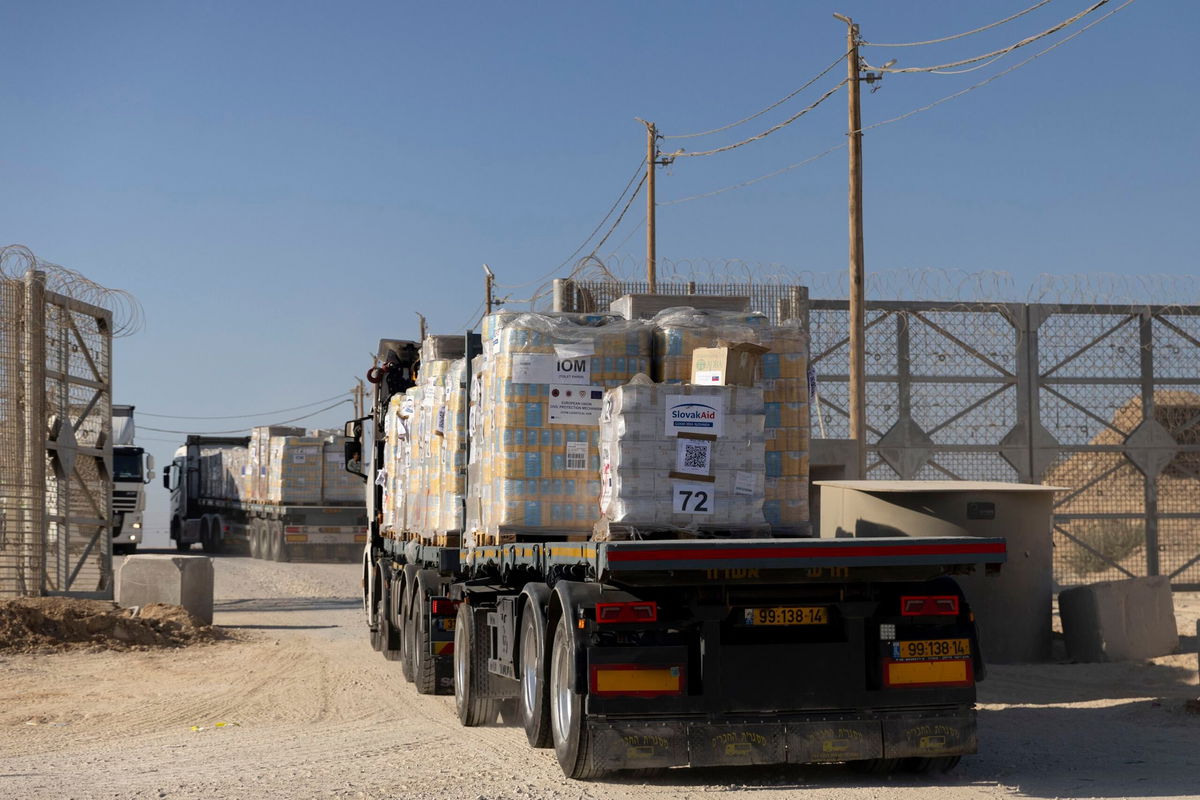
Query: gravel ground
point(309, 710)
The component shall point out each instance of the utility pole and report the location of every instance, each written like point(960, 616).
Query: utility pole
point(651, 162)
point(487, 288)
point(421, 317)
point(858, 392)
point(358, 399)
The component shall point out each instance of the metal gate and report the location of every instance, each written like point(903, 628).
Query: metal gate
point(1101, 399)
point(55, 438)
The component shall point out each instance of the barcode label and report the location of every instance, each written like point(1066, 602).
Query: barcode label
point(577, 455)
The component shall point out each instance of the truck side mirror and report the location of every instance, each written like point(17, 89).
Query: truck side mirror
point(150, 475)
point(166, 478)
point(150, 463)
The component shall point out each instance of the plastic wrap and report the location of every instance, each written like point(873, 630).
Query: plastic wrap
point(259, 456)
point(537, 395)
point(646, 463)
point(783, 378)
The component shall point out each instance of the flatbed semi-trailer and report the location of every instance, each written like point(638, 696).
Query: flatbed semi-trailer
point(274, 531)
point(680, 652)
point(630, 655)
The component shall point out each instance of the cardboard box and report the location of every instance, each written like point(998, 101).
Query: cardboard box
point(731, 364)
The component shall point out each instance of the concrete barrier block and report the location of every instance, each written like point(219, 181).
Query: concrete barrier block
point(181, 580)
point(1119, 620)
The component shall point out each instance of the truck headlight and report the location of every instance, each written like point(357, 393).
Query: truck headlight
point(137, 525)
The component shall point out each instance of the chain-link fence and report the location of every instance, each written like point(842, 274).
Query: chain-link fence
point(1101, 399)
point(55, 432)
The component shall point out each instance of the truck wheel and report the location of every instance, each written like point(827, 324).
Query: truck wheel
point(424, 674)
point(206, 535)
point(572, 739)
point(470, 672)
point(181, 546)
point(279, 548)
point(534, 699)
point(406, 634)
point(255, 544)
point(875, 766)
point(389, 638)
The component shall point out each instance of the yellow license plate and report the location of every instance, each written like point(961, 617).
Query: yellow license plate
point(933, 648)
point(787, 615)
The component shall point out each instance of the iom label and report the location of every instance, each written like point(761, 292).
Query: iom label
point(547, 368)
point(695, 414)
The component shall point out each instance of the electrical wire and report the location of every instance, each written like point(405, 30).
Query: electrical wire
point(1003, 72)
point(243, 430)
point(632, 197)
point(592, 235)
point(752, 181)
point(475, 316)
point(766, 133)
point(938, 68)
point(632, 231)
point(988, 27)
point(774, 105)
point(241, 416)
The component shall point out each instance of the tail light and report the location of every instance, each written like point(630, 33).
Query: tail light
point(637, 611)
point(443, 606)
point(292, 529)
point(918, 674)
point(944, 605)
point(637, 680)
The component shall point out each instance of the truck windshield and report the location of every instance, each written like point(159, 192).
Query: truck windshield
point(127, 466)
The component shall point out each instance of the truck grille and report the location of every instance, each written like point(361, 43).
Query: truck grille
point(124, 501)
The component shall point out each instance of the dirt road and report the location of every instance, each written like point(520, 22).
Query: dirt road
point(312, 711)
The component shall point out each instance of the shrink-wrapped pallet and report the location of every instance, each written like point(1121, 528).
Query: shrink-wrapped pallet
point(783, 378)
point(682, 456)
point(259, 458)
point(338, 487)
point(395, 465)
point(535, 420)
point(295, 470)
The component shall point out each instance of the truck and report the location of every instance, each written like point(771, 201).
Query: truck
point(651, 654)
point(132, 469)
point(208, 508)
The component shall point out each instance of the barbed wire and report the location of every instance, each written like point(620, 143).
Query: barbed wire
point(933, 284)
point(127, 314)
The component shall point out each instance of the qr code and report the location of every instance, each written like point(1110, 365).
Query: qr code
point(695, 457)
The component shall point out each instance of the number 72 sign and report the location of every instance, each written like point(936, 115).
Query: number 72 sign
point(688, 497)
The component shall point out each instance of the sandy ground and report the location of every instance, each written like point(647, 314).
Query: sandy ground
point(311, 711)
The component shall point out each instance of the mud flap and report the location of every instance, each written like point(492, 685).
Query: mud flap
point(737, 745)
point(638, 746)
point(930, 736)
point(841, 740)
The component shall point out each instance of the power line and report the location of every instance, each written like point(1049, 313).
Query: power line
point(470, 323)
point(591, 235)
point(988, 80)
point(243, 430)
point(632, 197)
point(938, 68)
point(241, 416)
point(987, 27)
point(774, 105)
point(753, 181)
point(767, 132)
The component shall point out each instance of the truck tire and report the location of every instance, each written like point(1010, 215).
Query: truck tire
point(424, 672)
point(406, 634)
point(279, 548)
point(534, 701)
point(389, 638)
point(572, 739)
point(208, 535)
point(470, 672)
point(255, 540)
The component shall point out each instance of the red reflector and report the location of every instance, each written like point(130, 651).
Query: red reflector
point(929, 605)
point(443, 606)
point(291, 529)
point(637, 680)
point(636, 611)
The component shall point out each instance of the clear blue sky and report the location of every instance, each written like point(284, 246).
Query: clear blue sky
point(281, 184)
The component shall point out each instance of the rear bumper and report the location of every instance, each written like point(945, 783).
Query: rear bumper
point(803, 739)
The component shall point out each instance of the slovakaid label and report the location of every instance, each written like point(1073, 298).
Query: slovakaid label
point(695, 414)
